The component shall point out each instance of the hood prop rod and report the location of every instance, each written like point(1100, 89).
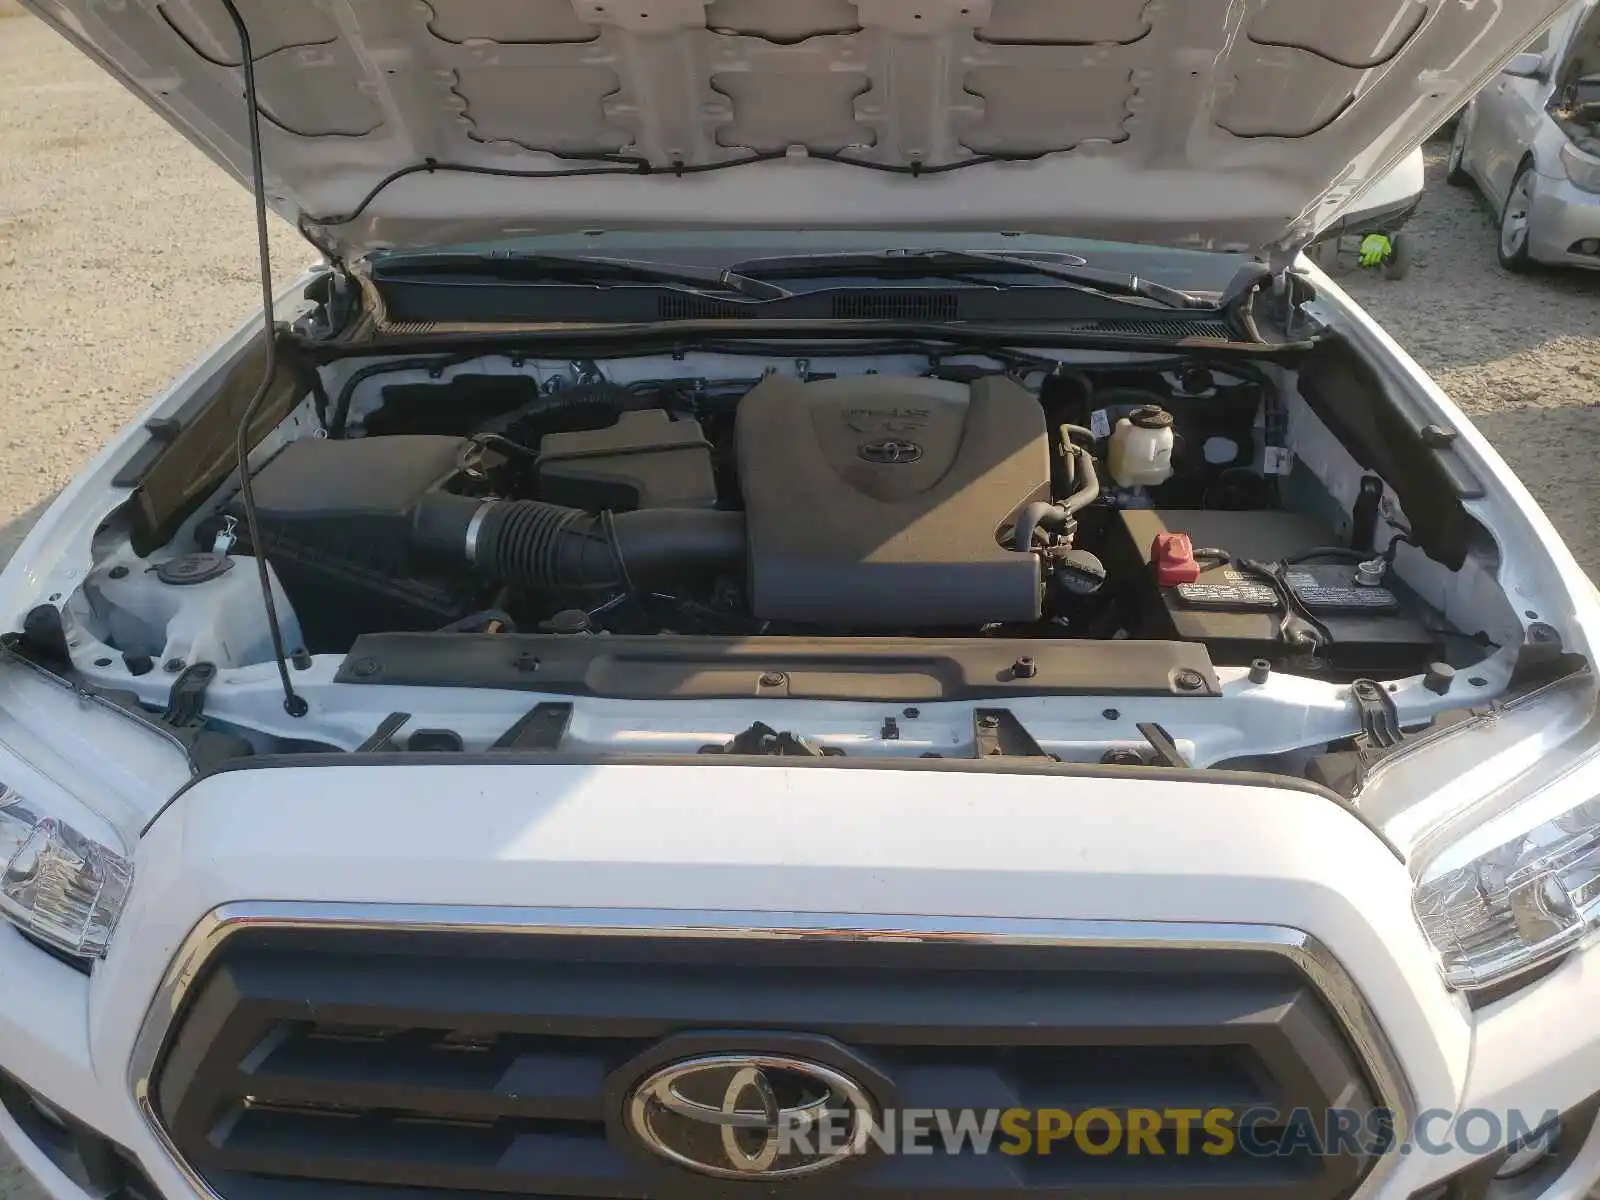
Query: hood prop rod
point(293, 704)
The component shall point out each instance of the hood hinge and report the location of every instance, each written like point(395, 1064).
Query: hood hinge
point(1281, 256)
point(1286, 295)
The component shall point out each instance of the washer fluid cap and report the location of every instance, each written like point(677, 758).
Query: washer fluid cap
point(193, 568)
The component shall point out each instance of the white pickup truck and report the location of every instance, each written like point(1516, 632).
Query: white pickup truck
point(807, 580)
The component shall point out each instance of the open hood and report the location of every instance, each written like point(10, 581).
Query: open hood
point(1575, 94)
point(1222, 124)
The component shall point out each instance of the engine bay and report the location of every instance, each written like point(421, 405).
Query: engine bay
point(895, 551)
point(1138, 500)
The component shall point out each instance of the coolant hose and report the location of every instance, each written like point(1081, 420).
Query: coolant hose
point(547, 547)
point(1041, 515)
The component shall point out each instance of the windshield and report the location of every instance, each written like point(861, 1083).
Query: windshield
point(1190, 270)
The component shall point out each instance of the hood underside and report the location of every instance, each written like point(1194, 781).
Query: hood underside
point(1222, 124)
point(1575, 98)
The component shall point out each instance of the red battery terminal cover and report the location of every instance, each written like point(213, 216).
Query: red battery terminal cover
point(1172, 556)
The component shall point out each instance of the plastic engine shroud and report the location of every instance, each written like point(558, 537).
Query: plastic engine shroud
point(875, 502)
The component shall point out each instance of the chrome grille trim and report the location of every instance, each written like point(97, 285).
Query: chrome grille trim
point(1305, 952)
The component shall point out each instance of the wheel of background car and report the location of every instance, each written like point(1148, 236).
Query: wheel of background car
point(1515, 219)
point(1399, 264)
point(1455, 171)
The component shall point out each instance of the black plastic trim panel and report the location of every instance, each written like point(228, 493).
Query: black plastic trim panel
point(441, 1063)
point(634, 338)
point(896, 670)
point(1384, 433)
point(94, 1163)
point(472, 300)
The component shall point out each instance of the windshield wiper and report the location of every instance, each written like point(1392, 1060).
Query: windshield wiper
point(958, 263)
point(573, 268)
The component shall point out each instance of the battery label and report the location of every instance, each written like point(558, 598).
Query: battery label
point(1340, 597)
point(1242, 596)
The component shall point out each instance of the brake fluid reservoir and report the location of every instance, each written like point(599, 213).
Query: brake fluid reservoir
point(1141, 448)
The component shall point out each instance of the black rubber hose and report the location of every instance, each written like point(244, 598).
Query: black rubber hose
point(656, 543)
point(1088, 483)
point(543, 546)
point(546, 547)
point(601, 399)
point(1038, 515)
point(1041, 515)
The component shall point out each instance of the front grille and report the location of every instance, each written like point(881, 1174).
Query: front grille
point(311, 1063)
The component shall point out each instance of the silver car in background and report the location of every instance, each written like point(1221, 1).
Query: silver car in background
point(1530, 141)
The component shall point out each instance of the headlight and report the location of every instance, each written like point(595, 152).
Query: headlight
point(59, 885)
point(1513, 891)
point(1581, 161)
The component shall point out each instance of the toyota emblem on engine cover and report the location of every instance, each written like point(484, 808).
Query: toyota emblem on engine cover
point(751, 1116)
point(890, 450)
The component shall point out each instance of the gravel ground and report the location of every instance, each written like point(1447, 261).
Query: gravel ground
point(1521, 354)
point(104, 294)
point(103, 298)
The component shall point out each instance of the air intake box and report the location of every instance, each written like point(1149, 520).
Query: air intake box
point(335, 519)
point(645, 460)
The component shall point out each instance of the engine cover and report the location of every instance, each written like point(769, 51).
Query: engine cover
point(875, 501)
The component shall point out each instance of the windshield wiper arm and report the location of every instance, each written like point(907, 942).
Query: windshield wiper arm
point(934, 263)
point(1117, 283)
point(574, 268)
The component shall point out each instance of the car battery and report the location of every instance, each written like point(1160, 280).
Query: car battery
point(1238, 615)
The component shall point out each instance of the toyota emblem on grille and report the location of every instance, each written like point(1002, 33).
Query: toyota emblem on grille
point(751, 1116)
point(890, 450)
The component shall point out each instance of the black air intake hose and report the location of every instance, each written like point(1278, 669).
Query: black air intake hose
point(550, 548)
point(582, 406)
